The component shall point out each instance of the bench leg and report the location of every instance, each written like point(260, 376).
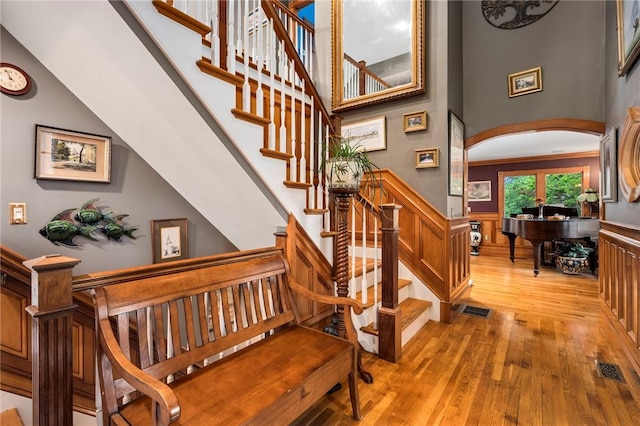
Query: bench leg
point(355, 399)
point(364, 375)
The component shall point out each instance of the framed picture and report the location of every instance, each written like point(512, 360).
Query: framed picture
point(525, 82)
point(479, 190)
point(608, 167)
point(456, 155)
point(628, 16)
point(169, 240)
point(427, 158)
point(371, 133)
point(70, 155)
point(415, 121)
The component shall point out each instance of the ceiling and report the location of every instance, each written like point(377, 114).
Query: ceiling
point(533, 144)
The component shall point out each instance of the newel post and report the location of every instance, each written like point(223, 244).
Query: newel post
point(389, 314)
point(51, 339)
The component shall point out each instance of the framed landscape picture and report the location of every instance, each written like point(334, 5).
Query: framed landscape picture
point(69, 155)
point(415, 121)
point(371, 134)
point(525, 82)
point(426, 158)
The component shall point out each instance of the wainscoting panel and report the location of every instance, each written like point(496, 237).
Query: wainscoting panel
point(619, 282)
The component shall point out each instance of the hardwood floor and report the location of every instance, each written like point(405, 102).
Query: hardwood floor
point(532, 362)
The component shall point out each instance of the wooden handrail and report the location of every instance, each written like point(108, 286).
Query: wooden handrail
point(293, 16)
point(281, 32)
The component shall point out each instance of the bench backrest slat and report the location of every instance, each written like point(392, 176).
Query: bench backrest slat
point(168, 323)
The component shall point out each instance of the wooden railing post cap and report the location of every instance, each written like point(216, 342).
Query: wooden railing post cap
point(391, 206)
point(51, 261)
point(390, 214)
point(51, 282)
point(281, 231)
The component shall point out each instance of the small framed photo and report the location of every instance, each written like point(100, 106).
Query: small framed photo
point(415, 121)
point(69, 155)
point(169, 240)
point(427, 158)
point(525, 82)
point(479, 190)
point(374, 131)
point(608, 167)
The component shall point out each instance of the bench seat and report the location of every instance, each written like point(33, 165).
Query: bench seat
point(255, 391)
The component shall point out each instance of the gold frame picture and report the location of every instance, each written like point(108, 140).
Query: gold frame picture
point(426, 158)
point(415, 121)
point(628, 35)
point(69, 155)
point(169, 239)
point(525, 82)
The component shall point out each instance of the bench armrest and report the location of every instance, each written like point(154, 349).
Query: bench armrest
point(166, 400)
point(325, 298)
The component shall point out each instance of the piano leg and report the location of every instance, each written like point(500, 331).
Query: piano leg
point(537, 255)
point(512, 243)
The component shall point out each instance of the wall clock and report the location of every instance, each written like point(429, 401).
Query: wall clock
point(13, 80)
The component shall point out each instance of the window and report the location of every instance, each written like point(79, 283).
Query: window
point(561, 187)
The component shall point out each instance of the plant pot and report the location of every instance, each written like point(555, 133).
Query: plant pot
point(572, 265)
point(343, 175)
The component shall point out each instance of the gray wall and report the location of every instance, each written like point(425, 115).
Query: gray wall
point(567, 43)
point(135, 188)
point(620, 94)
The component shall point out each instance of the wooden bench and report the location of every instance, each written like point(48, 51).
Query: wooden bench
point(217, 340)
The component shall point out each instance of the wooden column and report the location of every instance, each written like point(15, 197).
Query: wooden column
point(341, 255)
point(341, 267)
point(51, 338)
point(389, 315)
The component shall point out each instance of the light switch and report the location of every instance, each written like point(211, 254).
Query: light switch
point(17, 213)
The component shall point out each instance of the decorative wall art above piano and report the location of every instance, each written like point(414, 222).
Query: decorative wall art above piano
point(509, 15)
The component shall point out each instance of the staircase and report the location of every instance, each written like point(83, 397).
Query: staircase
point(238, 128)
point(415, 308)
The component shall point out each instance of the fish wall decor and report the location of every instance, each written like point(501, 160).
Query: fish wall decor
point(66, 225)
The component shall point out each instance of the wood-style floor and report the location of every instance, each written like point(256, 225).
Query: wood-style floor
point(533, 362)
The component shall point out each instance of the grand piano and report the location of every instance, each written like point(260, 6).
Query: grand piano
point(537, 231)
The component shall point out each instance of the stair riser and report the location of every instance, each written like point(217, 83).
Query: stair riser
point(415, 326)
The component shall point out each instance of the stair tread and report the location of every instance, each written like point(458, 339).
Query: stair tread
point(411, 309)
point(370, 265)
point(370, 302)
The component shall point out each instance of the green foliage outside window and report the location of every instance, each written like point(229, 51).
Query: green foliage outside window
point(519, 192)
point(563, 189)
point(560, 189)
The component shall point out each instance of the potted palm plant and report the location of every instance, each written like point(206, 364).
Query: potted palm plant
point(347, 163)
point(572, 257)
